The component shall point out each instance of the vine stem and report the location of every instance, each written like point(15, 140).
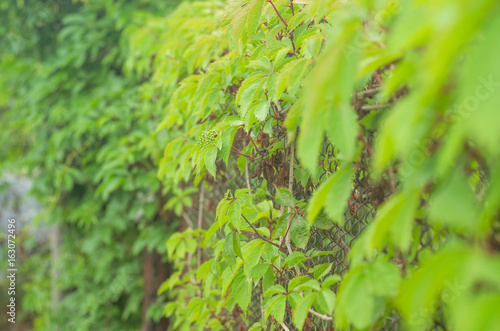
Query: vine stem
point(368, 92)
point(278, 13)
point(321, 316)
point(187, 219)
point(253, 142)
point(376, 107)
point(247, 176)
point(290, 188)
point(234, 150)
point(283, 325)
point(257, 232)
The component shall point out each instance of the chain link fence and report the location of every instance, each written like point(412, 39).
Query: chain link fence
point(367, 195)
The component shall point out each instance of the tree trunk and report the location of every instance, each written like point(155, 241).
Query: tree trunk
point(154, 273)
point(55, 245)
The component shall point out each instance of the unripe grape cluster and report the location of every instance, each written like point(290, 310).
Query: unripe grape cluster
point(207, 137)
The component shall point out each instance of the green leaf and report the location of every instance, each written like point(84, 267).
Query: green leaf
point(322, 270)
point(215, 264)
point(256, 327)
point(203, 270)
point(492, 200)
point(284, 197)
point(234, 214)
point(262, 64)
point(172, 243)
point(218, 142)
point(313, 45)
point(325, 302)
point(327, 96)
point(210, 157)
point(236, 245)
point(261, 110)
point(241, 163)
point(252, 257)
point(259, 271)
point(300, 231)
point(309, 285)
point(227, 277)
point(355, 301)
point(293, 259)
point(242, 290)
point(322, 222)
point(291, 75)
point(297, 19)
point(274, 290)
point(302, 310)
point(330, 280)
point(299, 280)
point(281, 225)
point(384, 278)
point(333, 195)
point(279, 308)
point(479, 92)
point(452, 264)
point(339, 195)
point(215, 227)
point(169, 309)
point(229, 255)
point(268, 280)
point(247, 92)
point(253, 17)
point(393, 222)
point(294, 299)
point(227, 137)
point(239, 19)
point(476, 312)
point(453, 204)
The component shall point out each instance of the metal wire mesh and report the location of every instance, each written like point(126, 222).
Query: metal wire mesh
point(337, 239)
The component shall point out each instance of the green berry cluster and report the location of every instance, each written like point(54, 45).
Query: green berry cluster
point(207, 137)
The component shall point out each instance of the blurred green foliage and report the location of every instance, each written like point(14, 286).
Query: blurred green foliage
point(83, 130)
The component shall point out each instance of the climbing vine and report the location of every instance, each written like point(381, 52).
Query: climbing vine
point(314, 115)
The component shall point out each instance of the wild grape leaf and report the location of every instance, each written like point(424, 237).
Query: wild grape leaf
point(284, 197)
point(300, 231)
point(229, 255)
point(355, 300)
point(234, 214)
point(242, 290)
point(279, 308)
point(210, 157)
point(325, 301)
point(252, 257)
point(259, 271)
point(296, 281)
point(327, 96)
point(237, 245)
point(274, 290)
point(291, 75)
point(302, 310)
point(332, 195)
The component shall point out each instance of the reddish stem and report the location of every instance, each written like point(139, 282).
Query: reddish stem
point(277, 12)
point(240, 153)
point(257, 233)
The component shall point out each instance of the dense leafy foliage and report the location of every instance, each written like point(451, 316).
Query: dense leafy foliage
point(268, 122)
point(81, 128)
